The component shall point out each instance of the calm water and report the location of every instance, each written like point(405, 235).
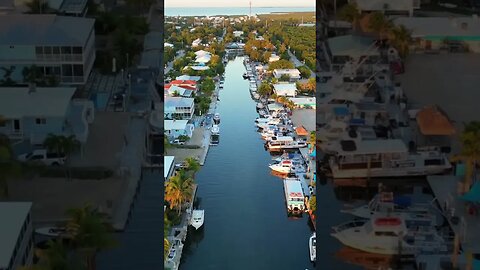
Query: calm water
point(246, 224)
point(212, 11)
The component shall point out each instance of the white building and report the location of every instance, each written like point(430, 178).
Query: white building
point(237, 33)
point(196, 42)
point(32, 114)
point(434, 33)
point(285, 89)
point(293, 74)
point(397, 7)
point(61, 47)
point(179, 108)
point(175, 128)
point(273, 58)
point(16, 235)
point(168, 166)
point(304, 102)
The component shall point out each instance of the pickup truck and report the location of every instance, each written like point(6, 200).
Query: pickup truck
point(42, 156)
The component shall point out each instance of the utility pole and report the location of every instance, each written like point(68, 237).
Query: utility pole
point(250, 9)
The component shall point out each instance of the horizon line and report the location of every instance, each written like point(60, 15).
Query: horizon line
point(239, 6)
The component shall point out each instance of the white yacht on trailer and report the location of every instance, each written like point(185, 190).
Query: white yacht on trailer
point(384, 158)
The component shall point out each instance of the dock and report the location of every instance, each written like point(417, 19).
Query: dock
point(445, 189)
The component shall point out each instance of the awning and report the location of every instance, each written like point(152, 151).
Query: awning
point(473, 195)
point(301, 131)
point(433, 122)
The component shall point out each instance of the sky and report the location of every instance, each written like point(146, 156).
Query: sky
point(239, 3)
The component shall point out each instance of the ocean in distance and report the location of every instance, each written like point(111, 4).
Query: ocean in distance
point(212, 11)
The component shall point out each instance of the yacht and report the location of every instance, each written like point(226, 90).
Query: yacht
point(271, 122)
point(389, 235)
point(284, 142)
point(384, 202)
point(255, 95)
point(331, 131)
point(312, 245)
point(216, 118)
point(286, 166)
point(294, 196)
point(52, 231)
point(215, 135)
point(384, 158)
point(260, 105)
point(197, 218)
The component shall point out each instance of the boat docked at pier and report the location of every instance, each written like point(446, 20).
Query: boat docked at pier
point(384, 158)
point(52, 231)
point(287, 166)
point(284, 142)
point(260, 105)
point(385, 202)
point(294, 197)
point(216, 118)
point(389, 235)
point(312, 246)
point(214, 135)
point(197, 219)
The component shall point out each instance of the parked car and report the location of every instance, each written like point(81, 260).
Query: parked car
point(43, 156)
point(179, 142)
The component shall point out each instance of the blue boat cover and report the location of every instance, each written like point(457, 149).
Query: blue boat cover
point(476, 264)
point(403, 201)
point(357, 122)
point(340, 111)
point(473, 195)
point(314, 153)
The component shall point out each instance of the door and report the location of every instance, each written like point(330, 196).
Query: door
point(16, 126)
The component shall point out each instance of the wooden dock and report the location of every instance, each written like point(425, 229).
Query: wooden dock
point(445, 189)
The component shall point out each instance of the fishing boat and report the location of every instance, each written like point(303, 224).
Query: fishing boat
point(384, 158)
point(385, 202)
point(312, 246)
point(197, 218)
point(216, 118)
point(260, 105)
point(51, 231)
point(214, 135)
point(255, 95)
point(286, 166)
point(388, 235)
point(294, 197)
point(285, 142)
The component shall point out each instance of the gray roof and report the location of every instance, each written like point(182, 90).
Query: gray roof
point(12, 216)
point(17, 102)
point(44, 29)
point(441, 26)
point(73, 6)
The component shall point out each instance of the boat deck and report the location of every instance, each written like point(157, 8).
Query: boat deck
point(445, 189)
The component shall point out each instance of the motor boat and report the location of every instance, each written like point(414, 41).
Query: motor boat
point(260, 105)
point(389, 235)
point(274, 121)
point(216, 118)
point(286, 166)
point(52, 231)
point(215, 129)
point(312, 245)
point(256, 95)
point(384, 202)
point(245, 76)
point(197, 218)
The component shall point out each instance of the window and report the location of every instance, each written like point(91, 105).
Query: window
point(66, 50)
point(56, 50)
point(77, 50)
point(40, 121)
point(77, 70)
point(39, 50)
point(67, 70)
point(47, 50)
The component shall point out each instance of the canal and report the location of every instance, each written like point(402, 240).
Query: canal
point(246, 224)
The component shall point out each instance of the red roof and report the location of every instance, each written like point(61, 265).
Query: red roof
point(178, 82)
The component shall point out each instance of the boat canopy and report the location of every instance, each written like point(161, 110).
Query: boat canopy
point(434, 122)
point(473, 195)
point(301, 131)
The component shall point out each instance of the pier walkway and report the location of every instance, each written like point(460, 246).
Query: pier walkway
point(445, 189)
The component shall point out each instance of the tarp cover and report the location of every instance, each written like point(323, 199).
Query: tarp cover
point(474, 194)
point(432, 121)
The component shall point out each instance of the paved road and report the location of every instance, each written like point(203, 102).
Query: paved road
point(299, 63)
point(180, 53)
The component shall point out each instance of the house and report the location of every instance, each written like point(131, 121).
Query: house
point(188, 78)
point(179, 108)
point(32, 113)
point(293, 74)
point(389, 7)
point(273, 58)
point(168, 166)
point(175, 128)
point(343, 49)
point(201, 53)
point(167, 45)
point(285, 89)
point(237, 33)
point(61, 47)
point(197, 68)
point(196, 42)
point(304, 102)
point(178, 90)
point(203, 59)
point(187, 84)
point(435, 33)
point(16, 245)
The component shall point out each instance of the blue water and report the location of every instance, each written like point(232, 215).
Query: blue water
point(246, 224)
point(212, 11)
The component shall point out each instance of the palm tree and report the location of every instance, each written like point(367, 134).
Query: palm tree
point(380, 24)
point(350, 13)
point(400, 40)
point(192, 165)
point(90, 233)
point(313, 203)
point(62, 145)
point(179, 190)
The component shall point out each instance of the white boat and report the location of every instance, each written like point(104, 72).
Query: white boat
point(271, 122)
point(312, 245)
point(260, 105)
point(384, 158)
point(216, 118)
point(389, 236)
point(294, 197)
point(332, 131)
point(215, 129)
point(51, 231)
point(416, 214)
point(285, 142)
point(197, 218)
point(255, 95)
point(286, 166)
point(215, 135)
